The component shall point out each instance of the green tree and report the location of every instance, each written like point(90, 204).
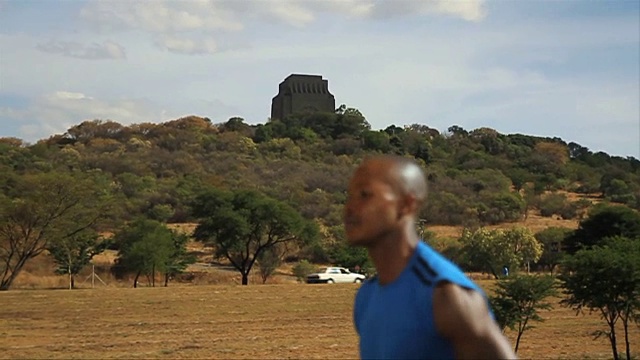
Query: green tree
point(41, 208)
point(557, 204)
point(604, 221)
point(302, 269)
point(268, 262)
point(73, 253)
point(517, 300)
point(551, 239)
point(240, 225)
point(376, 141)
point(491, 250)
point(351, 257)
point(606, 279)
point(350, 122)
point(179, 258)
point(146, 247)
point(502, 207)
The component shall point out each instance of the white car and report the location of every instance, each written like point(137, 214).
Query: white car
point(332, 275)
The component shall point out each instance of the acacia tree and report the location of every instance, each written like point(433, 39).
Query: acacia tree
point(241, 225)
point(604, 221)
point(179, 258)
point(146, 247)
point(73, 253)
point(551, 239)
point(606, 279)
point(44, 207)
point(491, 250)
point(518, 299)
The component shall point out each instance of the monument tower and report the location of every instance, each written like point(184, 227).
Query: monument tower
point(302, 93)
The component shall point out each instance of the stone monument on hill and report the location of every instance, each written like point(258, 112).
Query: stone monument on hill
point(302, 93)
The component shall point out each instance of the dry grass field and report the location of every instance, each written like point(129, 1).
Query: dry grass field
point(282, 321)
point(205, 314)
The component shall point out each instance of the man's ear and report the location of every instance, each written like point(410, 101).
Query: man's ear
point(409, 205)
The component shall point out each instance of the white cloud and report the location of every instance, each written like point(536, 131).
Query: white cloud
point(290, 12)
point(349, 8)
point(94, 51)
point(180, 26)
point(470, 10)
point(56, 112)
point(66, 95)
point(184, 45)
point(160, 16)
point(467, 10)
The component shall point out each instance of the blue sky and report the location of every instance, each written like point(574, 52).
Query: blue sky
point(568, 68)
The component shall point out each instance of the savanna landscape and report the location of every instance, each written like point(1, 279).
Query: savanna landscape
point(190, 239)
point(211, 316)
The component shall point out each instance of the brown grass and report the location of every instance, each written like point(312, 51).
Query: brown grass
point(225, 322)
point(203, 314)
point(534, 222)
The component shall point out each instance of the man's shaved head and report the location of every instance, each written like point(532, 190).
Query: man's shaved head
point(402, 173)
point(384, 197)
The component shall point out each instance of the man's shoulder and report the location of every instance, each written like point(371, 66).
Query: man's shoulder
point(438, 268)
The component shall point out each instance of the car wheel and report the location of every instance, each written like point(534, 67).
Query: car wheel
point(358, 281)
point(330, 281)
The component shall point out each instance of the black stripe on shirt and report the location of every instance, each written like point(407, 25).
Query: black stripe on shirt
point(427, 267)
point(421, 275)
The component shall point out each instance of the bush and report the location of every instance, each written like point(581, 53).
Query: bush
point(558, 204)
point(501, 208)
point(302, 269)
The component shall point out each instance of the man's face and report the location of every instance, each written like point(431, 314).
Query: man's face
point(372, 207)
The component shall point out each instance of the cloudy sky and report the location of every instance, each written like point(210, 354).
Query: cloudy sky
point(568, 68)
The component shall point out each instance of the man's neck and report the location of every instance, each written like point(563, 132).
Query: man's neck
point(392, 254)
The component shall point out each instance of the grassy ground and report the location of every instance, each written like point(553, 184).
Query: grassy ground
point(226, 321)
point(209, 316)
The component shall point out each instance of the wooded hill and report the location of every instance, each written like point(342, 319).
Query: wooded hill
point(476, 177)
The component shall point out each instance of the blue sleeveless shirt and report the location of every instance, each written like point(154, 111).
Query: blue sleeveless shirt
point(395, 321)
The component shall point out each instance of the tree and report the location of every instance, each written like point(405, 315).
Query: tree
point(41, 208)
point(604, 221)
point(236, 124)
point(518, 299)
point(146, 247)
point(502, 207)
point(74, 252)
point(351, 257)
point(93, 129)
point(606, 279)
point(240, 225)
point(491, 250)
point(376, 141)
point(350, 122)
point(551, 239)
point(268, 262)
point(179, 258)
point(557, 204)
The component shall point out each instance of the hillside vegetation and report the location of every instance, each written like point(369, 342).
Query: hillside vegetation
point(110, 175)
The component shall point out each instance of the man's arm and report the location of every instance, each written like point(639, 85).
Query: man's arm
point(462, 316)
